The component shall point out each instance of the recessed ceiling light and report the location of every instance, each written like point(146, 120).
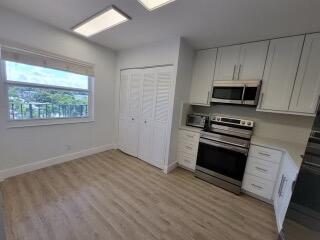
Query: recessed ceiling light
point(154, 4)
point(103, 20)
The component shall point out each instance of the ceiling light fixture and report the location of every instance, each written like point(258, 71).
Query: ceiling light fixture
point(154, 4)
point(101, 21)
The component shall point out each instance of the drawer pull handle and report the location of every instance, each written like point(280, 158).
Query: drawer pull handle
point(189, 136)
point(256, 186)
point(185, 160)
point(187, 147)
point(264, 154)
point(261, 169)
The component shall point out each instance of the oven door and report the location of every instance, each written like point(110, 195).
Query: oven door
point(228, 94)
point(221, 160)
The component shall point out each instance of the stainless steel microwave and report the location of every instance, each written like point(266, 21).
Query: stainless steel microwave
point(236, 92)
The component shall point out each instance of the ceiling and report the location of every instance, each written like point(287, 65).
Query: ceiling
point(204, 23)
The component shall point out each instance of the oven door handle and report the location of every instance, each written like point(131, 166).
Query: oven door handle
point(225, 146)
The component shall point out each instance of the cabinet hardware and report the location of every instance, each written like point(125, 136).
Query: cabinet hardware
point(189, 136)
point(132, 119)
point(240, 66)
point(145, 121)
point(261, 169)
point(283, 180)
point(256, 186)
point(264, 154)
point(234, 71)
point(293, 185)
point(187, 147)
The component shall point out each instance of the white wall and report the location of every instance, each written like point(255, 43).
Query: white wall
point(156, 54)
point(285, 127)
point(20, 146)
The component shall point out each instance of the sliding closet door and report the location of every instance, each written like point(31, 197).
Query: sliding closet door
point(147, 115)
point(134, 106)
point(163, 103)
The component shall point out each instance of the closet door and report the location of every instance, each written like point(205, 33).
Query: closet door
point(134, 106)
point(252, 60)
point(280, 72)
point(163, 103)
point(147, 115)
point(123, 110)
point(305, 97)
point(227, 61)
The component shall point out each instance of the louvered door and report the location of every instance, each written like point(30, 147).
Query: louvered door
point(134, 106)
point(123, 110)
point(163, 103)
point(147, 115)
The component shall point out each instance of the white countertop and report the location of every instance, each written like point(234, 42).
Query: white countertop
point(192, 129)
point(295, 150)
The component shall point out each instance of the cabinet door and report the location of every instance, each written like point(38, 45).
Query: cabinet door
point(227, 61)
point(306, 90)
point(136, 78)
point(202, 79)
point(147, 114)
point(281, 68)
point(252, 60)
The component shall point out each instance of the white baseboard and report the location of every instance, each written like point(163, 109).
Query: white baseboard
point(170, 167)
point(6, 173)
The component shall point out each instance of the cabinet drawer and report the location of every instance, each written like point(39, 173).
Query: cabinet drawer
point(187, 160)
point(188, 148)
point(258, 186)
point(188, 136)
point(261, 168)
point(265, 153)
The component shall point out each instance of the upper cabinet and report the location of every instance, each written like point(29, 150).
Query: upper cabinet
point(305, 96)
point(202, 79)
point(241, 62)
point(280, 73)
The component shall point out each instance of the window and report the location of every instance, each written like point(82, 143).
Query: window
point(39, 88)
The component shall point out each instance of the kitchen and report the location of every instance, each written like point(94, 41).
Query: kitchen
point(247, 120)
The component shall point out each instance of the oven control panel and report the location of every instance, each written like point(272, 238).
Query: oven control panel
point(233, 121)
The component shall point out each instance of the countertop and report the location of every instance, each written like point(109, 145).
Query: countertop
point(295, 150)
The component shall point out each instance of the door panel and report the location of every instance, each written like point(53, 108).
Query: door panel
point(132, 136)
point(123, 98)
point(202, 79)
point(122, 139)
point(280, 73)
point(252, 60)
point(159, 146)
point(307, 87)
point(227, 61)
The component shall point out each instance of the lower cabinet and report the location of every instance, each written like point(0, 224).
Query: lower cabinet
point(261, 172)
point(283, 189)
point(188, 144)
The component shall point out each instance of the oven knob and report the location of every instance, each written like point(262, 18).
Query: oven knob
point(242, 122)
point(249, 124)
point(218, 119)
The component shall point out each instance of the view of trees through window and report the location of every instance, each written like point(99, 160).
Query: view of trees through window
point(42, 93)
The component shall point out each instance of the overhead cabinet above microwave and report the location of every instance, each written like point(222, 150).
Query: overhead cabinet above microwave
point(241, 62)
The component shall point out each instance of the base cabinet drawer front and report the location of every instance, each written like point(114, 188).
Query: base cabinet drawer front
point(186, 160)
point(189, 148)
point(263, 169)
point(258, 186)
point(267, 154)
point(187, 136)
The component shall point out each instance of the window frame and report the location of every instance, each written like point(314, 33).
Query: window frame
point(13, 123)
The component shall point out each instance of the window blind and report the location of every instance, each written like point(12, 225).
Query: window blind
point(43, 60)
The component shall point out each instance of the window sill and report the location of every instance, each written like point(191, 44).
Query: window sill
point(46, 122)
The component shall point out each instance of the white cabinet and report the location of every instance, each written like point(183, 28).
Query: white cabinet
point(305, 97)
point(261, 172)
point(241, 62)
point(227, 61)
point(202, 79)
point(188, 144)
point(280, 73)
point(283, 189)
point(144, 114)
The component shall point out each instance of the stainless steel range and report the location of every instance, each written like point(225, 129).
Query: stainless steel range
point(223, 151)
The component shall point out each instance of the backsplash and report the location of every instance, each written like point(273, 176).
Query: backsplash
point(285, 127)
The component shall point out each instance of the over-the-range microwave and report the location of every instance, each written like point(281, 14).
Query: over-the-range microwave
point(236, 92)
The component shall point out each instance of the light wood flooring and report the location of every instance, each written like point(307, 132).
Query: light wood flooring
point(113, 196)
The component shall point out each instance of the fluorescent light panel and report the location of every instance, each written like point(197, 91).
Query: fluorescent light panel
point(104, 20)
point(154, 4)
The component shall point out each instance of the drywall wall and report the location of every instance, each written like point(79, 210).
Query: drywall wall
point(155, 54)
point(20, 146)
point(271, 125)
point(182, 90)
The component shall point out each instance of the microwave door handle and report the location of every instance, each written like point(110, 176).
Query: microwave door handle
point(225, 146)
point(243, 92)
